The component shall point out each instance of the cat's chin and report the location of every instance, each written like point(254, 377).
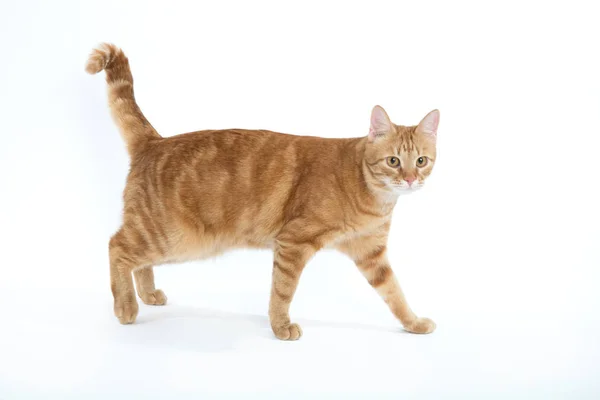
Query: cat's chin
point(403, 190)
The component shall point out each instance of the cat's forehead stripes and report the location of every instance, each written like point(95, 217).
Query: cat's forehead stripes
point(407, 139)
point(407, 147)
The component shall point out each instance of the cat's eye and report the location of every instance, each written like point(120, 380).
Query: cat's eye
point(421, 162)
point(393, 162)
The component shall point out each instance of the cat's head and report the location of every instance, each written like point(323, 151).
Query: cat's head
point(400, 158)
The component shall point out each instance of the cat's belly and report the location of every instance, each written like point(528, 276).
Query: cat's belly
point(190, 245)
point(201, 239)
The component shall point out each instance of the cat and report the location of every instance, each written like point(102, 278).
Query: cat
point(195, 195)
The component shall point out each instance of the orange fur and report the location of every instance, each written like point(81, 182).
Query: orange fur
point(198, 194)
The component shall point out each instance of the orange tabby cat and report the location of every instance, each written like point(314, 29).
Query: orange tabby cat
point(198, 194)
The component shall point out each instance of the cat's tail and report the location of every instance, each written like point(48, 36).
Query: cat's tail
point(135, 128)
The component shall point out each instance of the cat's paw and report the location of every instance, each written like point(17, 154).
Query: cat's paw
point(421, 325)
point(126, 312)
point(156, 298)
point(288, 332)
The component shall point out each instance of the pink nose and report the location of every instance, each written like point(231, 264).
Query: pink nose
point(410, 180)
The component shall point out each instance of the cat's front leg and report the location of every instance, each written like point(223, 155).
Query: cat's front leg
point(382, 279)
point(288, 262)
point(370, 257)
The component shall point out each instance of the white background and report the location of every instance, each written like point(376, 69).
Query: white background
point(501, 248)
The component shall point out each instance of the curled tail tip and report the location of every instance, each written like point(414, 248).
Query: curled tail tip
point(101, 57)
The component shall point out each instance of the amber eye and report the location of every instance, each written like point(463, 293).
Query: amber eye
point(393, 162)
point(421, 162)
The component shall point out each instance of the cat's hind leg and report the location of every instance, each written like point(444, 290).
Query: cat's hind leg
point(144, 282)
point(125, 257)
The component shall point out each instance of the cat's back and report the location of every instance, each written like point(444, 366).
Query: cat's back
point(218, 145)
point(233, 149)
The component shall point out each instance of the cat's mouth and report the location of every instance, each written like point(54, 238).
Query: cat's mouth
point(406, 188)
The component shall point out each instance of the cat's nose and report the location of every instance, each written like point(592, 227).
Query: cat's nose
point(410, 180)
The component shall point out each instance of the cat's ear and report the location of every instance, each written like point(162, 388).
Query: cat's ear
point(429, 124)
point(380, 123)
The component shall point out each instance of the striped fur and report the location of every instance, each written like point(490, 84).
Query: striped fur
point(199, 194)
